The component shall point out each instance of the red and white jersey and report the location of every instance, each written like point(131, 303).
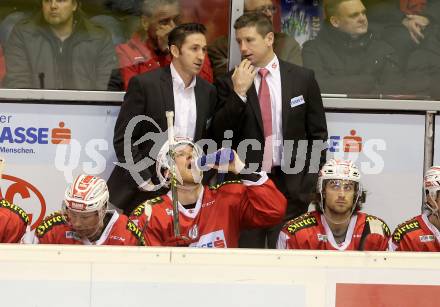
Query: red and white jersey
point(219, 215)
point(311, 231)
point(13, 222)
point(416, 235)
point(55, 229)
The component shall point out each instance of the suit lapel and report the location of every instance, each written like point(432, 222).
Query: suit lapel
point(201, 106)
point(166, 85)
point(255, 105)
point(286, 85)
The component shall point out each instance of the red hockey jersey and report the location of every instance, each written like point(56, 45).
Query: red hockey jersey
point(55, 229)
point(219, 215)
point(13, 222)
point(311, 231)
point(416, 235)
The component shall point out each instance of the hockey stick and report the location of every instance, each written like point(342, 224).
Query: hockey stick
point(173, 181)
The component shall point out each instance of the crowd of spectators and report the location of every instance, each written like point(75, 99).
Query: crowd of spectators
point(363, 47)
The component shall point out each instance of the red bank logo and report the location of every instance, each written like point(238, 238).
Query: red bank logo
point(25, 195)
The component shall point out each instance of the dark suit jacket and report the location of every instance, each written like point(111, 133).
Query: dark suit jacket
point(151, 94)
point(303, 122)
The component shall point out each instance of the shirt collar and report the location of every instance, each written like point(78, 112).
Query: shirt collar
point(178, 80)
point(273, 66)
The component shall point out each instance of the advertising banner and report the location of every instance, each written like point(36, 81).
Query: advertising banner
point(46, 146)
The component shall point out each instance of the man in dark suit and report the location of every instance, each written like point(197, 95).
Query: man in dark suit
point(286, 117)
point(173, 88)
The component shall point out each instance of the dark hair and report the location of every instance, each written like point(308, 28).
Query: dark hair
point(258, 20)
point(178, 35)
point(331, 7)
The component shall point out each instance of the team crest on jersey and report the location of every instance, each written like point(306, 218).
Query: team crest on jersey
point(16, 209)
point(404, 229)
point(373, 220)
point(56, 218)
point(217, 186)
point(301, 222)
point(136, 232)
point(193, 232)
point(427, 238)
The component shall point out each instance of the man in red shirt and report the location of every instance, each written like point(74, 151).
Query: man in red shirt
point(337, 223)
point(85, 219)
point(13, 219)
point(148, 48)
point(208, 216)
point(422, 232)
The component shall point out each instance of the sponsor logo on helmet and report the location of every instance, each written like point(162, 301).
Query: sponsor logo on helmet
point(404, 229)
point(30, 199)
point(76, 206)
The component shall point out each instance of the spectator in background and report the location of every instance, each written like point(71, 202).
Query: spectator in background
point(347, 57)
point(285, 47)
point(337, 223)
point(421, 233)
point(59, 49)
point(148, 47)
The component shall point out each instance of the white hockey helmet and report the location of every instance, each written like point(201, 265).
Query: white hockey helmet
point(340, 170)
point(431, 182)
point(164, 161)
point(86, 194)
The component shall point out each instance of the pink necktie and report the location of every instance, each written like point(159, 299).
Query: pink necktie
point(266, 115)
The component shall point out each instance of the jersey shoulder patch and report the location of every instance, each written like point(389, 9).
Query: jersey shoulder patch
point(16, 209)
point(405, 228)
point(136, 232)
point(146, 206)
point(376, 222)
point(302, 222)
point(53, 219)
point(217, 186)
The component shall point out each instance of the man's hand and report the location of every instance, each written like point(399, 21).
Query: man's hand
point(162, 36)
point(415, 25)
point(243, 77)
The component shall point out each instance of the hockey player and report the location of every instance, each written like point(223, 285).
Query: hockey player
point(208, 216)
point(422, 233)
point(337, 223)
point(13, 219)
point(86, 220)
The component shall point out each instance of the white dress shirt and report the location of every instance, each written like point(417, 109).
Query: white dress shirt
point(185, 113)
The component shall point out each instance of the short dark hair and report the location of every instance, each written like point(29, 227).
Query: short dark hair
point(258, 20)
point(331, 7)
point(178, 35)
